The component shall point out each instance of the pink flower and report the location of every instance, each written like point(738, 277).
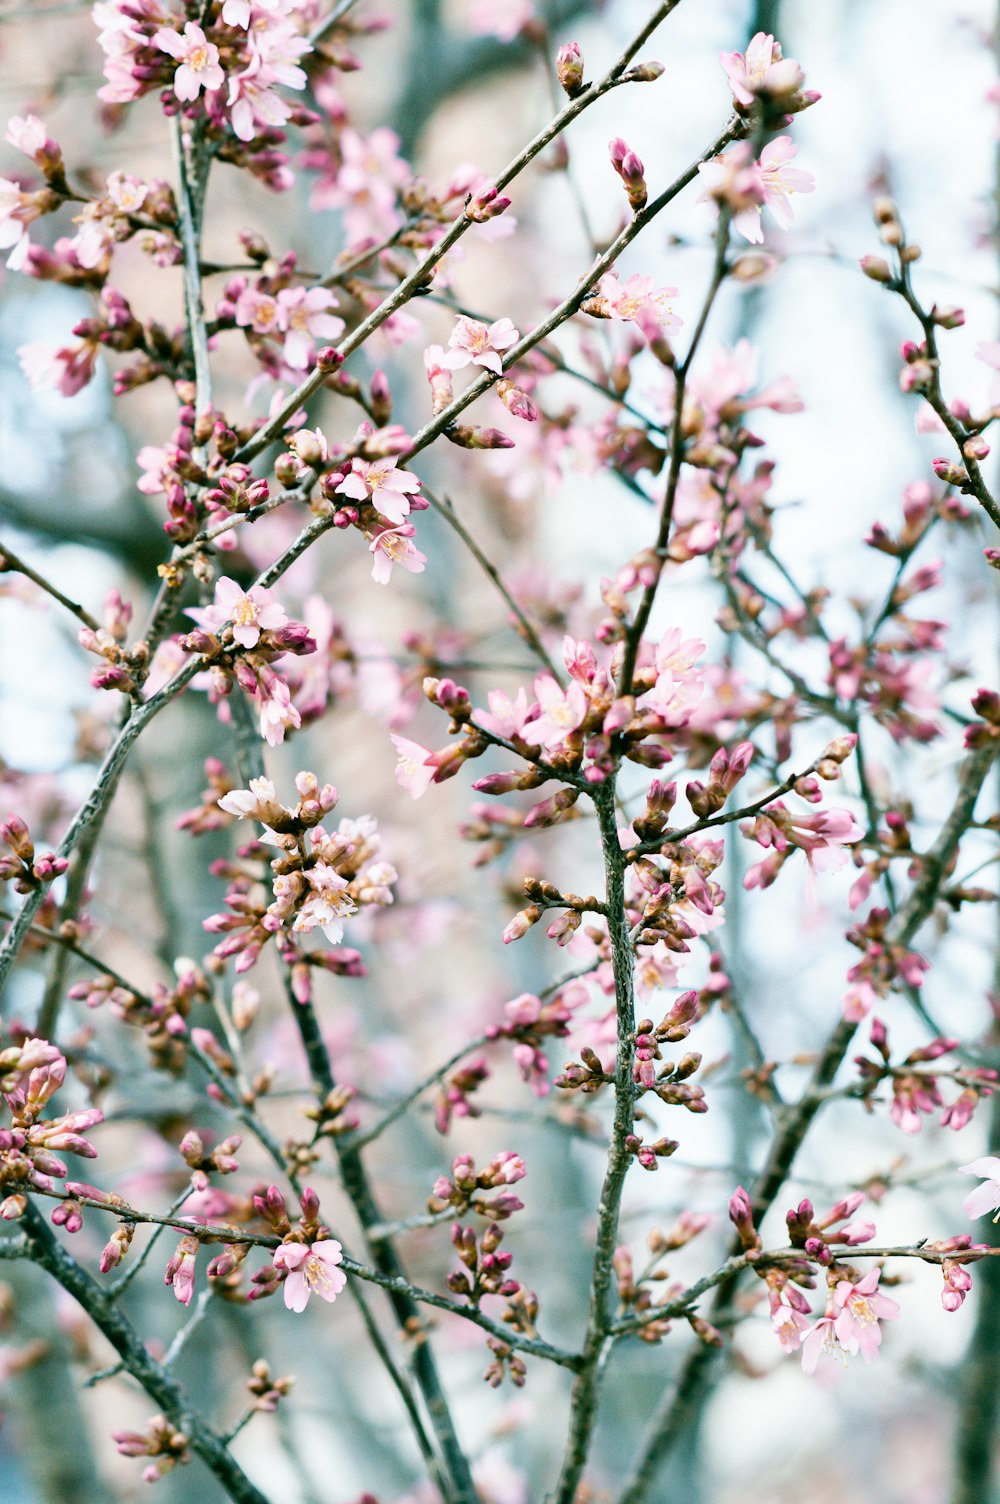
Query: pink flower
point(560, 713)
point(198, 60)
point(414, 772)
point(309, 1270)
point(250, 612)
point(733, 178)
point(258, 802)
point(258, 311)
point(636, 299)
point(328, 905)
point(252, 101)
point(180, 1269)
point(472, 342)
point(370, 174)
point(851, 1324)
point(822, 835)
point(761, 70)
point(17, 210)
point(986, 1197)
point(277, 713)
point(392, 546)
point(26, 134)
point(383, 485)
point(860, 1308)
point(505, 717)
point(67, 370)
point(779, 182)
point(304, 316)
point(789, 1325)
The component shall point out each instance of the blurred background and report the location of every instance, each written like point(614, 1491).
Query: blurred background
point(906, 108)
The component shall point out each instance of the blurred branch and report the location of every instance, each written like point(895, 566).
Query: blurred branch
point(124, 529)
point(443, 62)
point(10, 562)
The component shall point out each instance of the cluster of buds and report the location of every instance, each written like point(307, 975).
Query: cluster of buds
point(161, 1441)
point(23, 867)
point(208, 815)
point(30, 1074)
point(507, 1364)
point(463, 1192)
point(485, 1271)
point(635, 1297)
point(125, 667)
point(530, 1021)
point(330, 1113)
point(454, 1097)
point(820, 1240)
point(319, 879)
point(957, 1279)
point(667, 899)
point(588, 1076)
point(649, 1155)
point(204, 1162)
point(884, 964)
point(724, 773)
point(672, 1028)
point(268, 1391)
point(921, 508)
point(162, 1014)
point(916, 1091)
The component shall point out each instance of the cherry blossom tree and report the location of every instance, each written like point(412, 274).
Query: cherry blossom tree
point(720, 827)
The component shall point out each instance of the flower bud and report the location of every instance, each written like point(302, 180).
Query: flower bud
point(569, 68)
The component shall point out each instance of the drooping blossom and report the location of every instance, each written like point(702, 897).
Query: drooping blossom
point(413, 771)
point(474, 343)
point(277, 713)
point(851, 1324)
point(250, 612)
point(560, 713)
point(198, 65)
point(387, 488)
point(779, 183)
point(986, 1197)
point(254, 103)
point(822, 835)
point(789, 1325)
point(393, 546)
point(67, 370)
point(311, 1271)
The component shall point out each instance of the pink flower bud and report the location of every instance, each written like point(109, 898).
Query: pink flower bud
point(569, 68)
